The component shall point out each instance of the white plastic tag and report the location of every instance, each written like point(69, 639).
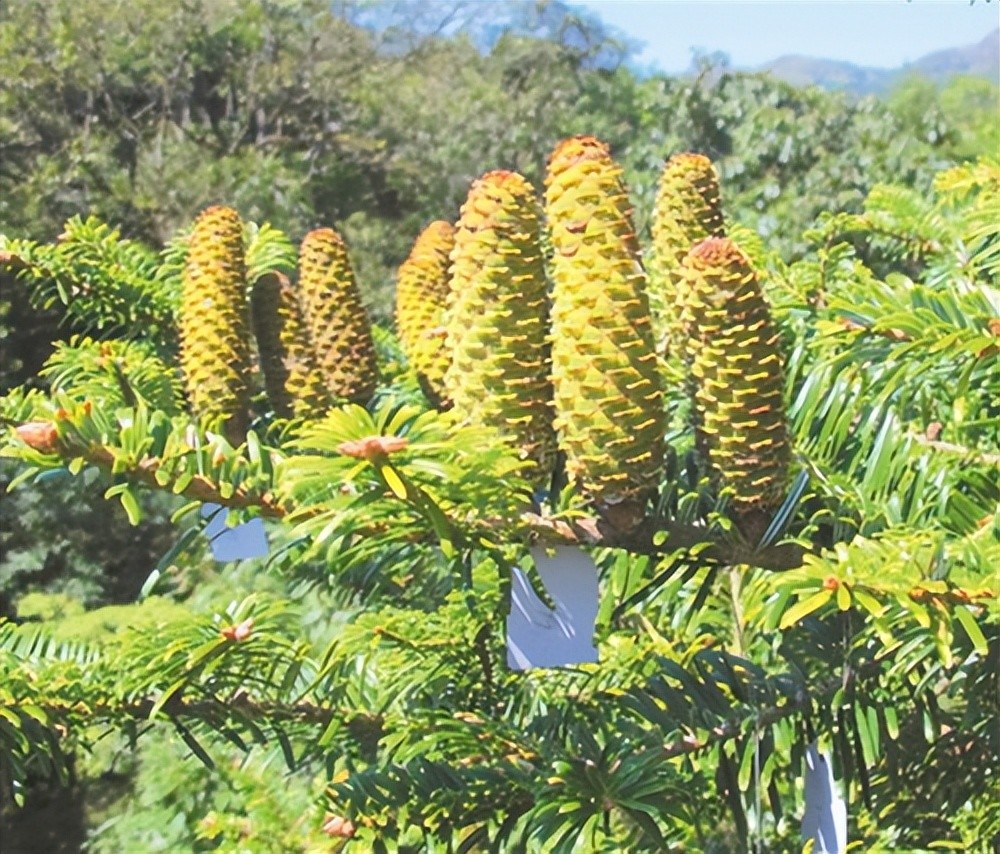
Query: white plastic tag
point(825, 818)
point(240, 543)
point(540, 637)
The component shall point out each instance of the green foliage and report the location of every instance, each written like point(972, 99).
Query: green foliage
point(105, 283)
point(71, 623)
point(958, 117)
point(168, 803)
point(116, 372)
point(365, 483)
point(89, 550)
point(144, 447)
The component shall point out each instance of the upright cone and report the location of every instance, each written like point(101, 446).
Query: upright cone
point(498, 318)
point(214, 326)
point(687, 210)
point(733, 351)
point(609, 407)
point(294, 385)
point(421, 300)
point(336, 318)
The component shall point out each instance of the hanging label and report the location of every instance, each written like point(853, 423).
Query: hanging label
point(825, 818)
point(242, 542)
point(540, 637)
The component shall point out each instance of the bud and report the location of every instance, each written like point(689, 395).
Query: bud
point(42, 436)
point(239, 632)
point(336, 825)
point(372, 447)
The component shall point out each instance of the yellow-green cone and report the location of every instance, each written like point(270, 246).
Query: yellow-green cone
point(336, 318)
point(733, 351)
point(421, 300)
point(294, 386)
point(609, 407)
point(498, 316)
point(687, 210)
point(214, 326)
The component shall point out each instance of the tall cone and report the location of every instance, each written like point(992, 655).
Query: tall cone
point(421, 300)
point(336, 318)
point(732, 347)
point(687, 210)
point(609, 406)
point(498, 316)
point(294, 385)
point(214, 327)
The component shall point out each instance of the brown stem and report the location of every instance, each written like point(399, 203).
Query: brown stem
point(975, 455)
point(646, 538)
point(652, 536)
point(359, 722)
point(770, 715)
point(200, 488)
point(211, 709)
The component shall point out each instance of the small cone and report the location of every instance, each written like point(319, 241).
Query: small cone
point(609, 406)
point(498, 318)
point(294, 386)
point(687, 210)
point(336, 318)
point(733, 349)
point(214, 326)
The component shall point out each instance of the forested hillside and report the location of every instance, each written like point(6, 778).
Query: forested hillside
point(981, 59)
point(422, 285)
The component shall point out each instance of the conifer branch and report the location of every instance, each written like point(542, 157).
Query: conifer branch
point(652, 536)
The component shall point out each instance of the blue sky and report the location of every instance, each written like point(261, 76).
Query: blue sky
point(879, 33)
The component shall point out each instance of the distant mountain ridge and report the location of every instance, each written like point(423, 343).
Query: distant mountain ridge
point(981, 59)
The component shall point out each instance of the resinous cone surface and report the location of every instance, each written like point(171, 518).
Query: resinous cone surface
point(421, 300)
point(498, 318)
point(336, 318)
point(733, 351)
point(294, 385)
point(609, 409)
point(214, 324)
point(688, 209)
